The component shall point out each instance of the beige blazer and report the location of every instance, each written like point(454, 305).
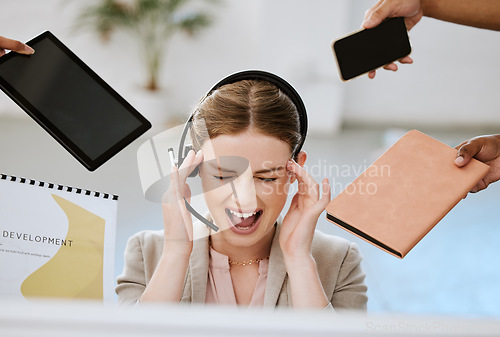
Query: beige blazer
point(338, 262)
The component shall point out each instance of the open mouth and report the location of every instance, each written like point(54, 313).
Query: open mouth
point(243, 221)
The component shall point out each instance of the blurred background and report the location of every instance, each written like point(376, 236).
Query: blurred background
point(450, 93)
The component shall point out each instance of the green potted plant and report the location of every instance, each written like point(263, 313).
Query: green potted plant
point(150, 22)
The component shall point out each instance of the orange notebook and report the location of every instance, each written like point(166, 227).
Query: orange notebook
point(404, 193)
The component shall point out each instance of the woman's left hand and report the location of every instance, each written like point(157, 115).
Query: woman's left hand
point(299, 223)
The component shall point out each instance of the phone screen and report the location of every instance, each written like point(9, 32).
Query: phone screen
point(372, 48)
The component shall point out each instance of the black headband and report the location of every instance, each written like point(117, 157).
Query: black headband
point(281, 84)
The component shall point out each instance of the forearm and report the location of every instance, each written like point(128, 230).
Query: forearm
point(477, 13)
point(167, 282)
point(306, 287)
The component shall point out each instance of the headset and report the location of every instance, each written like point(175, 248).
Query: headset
point(257, 75)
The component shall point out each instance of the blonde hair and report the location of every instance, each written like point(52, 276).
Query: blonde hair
point(234, 108)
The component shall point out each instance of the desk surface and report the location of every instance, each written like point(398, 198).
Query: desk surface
point(49, 318)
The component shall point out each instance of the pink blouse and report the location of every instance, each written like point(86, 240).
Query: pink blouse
point(220, 286)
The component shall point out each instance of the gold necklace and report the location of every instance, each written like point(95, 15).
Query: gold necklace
point(244, 263)
point(238, 263)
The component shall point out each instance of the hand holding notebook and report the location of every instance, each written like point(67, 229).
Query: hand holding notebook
point(404, 193)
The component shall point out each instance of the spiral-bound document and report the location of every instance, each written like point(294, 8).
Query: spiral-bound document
point(55, 241)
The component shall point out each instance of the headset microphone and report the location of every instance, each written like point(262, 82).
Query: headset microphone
point(210, 224)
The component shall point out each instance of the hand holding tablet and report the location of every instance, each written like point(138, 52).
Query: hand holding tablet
point(70, 101)
point(14, 45)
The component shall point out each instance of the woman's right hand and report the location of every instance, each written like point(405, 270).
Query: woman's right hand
point(177, 221)
point(167, 282)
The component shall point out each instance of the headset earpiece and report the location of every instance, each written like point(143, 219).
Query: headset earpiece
point(188, 148)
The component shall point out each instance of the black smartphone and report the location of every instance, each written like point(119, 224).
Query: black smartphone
point(369, 49)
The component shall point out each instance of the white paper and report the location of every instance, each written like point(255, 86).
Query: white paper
point(55, 242)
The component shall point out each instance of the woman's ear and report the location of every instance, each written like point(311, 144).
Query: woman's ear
point(301, 160)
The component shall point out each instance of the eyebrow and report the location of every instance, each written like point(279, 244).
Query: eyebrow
point(215, 166)
point(271, 170)
point(222, 169)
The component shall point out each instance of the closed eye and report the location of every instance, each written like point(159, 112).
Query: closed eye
point(267, 179)
point(228, 178)
point(224, 177)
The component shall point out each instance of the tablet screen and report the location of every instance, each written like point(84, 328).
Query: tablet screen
point(69, 100)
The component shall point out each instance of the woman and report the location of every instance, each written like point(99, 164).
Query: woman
point(247, 135)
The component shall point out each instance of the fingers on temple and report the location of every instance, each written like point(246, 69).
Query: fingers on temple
point(304, 179)
point(191, 161)
point(307, 184)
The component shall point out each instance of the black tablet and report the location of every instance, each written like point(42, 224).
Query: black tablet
point(70, 101)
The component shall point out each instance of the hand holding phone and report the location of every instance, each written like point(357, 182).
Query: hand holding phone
point(368, 49)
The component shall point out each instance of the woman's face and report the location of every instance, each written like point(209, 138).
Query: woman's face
point(245, 184)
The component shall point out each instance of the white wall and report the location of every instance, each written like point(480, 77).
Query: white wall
point(273, 35)
point(453, 81)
